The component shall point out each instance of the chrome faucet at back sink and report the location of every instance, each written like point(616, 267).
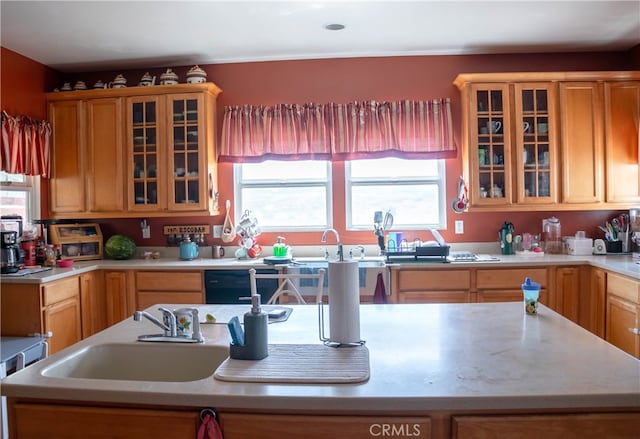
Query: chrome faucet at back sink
point(340, 253)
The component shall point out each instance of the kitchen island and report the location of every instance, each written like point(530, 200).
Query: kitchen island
point(435, 371)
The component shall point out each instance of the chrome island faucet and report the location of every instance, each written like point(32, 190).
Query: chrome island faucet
point(170, 327)
point(340, 253)
point(169, 323)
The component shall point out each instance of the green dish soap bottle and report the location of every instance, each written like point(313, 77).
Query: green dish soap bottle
point(279, 249)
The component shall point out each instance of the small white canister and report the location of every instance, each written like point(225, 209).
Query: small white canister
point(196, 75)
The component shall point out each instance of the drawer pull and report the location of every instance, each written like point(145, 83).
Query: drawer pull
point(636, 331)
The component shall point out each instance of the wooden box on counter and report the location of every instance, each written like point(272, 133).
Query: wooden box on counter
point(79, 242)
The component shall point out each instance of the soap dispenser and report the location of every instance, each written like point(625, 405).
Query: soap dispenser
point(279, 249)
point(255, 345)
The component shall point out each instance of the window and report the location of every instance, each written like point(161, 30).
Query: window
point(285, 195)
point(19, 195)
point(413, 190)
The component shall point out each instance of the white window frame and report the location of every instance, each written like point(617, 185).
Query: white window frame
point(439, 181)
point(240, 184)
point(31, 186)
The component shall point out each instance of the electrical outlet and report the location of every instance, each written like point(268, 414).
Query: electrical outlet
point(217, 231)
point(146, 232)
point(459, 227)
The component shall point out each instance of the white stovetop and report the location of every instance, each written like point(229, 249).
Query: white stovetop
point(423, 357)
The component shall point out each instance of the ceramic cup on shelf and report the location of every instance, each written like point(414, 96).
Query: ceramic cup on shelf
point(66, 87)
point(147, 80)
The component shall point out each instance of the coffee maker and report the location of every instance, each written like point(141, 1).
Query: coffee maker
point(9, 252)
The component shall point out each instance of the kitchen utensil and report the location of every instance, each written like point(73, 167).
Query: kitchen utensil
point(188, 249)
point(459, 204)
point(228, 230)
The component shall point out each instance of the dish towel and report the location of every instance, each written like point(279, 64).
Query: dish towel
point(209, 429)
point(380, 294)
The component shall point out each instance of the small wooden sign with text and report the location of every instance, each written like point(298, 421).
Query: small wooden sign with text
point(187, 229)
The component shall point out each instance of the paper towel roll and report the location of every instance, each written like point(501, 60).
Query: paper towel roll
point(344, 302)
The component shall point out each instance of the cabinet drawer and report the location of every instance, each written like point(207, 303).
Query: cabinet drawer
point(510, 278)
point(425, 280)
point(624, 287)
point(60, 290)
point(256, 426)
point(175, 281)
point(145, 299)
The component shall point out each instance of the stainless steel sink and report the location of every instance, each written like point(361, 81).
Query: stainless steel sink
point(141, 362)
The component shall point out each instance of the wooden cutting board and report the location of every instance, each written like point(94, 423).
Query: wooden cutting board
point(300, 363)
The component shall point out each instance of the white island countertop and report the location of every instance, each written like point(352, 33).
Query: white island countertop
point(477, 356)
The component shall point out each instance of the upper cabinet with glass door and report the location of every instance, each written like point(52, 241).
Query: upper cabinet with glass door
point(172, 153)
point(518, 128)
point(535, 139)
point(489, 146)
point(168, 148)
point(508, 142)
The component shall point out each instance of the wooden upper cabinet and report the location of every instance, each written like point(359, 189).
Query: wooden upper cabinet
point(104, 155)
point(67, 184)
point(622, 105)
point(535, 133)
point(551, 139)
point(581, 119)
point(135, 150)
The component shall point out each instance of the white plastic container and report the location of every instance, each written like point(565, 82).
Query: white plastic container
point(579, 246)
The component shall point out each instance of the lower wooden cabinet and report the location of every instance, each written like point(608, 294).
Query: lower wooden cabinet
point(623, 313)
point(505, 284)
point(261, 426)
point(80, 422)
point(154, 287)
point(431, 286)
point(583, 426)
point(593, 307)
point(42, 308)
point(120, 299)
point(92, 303)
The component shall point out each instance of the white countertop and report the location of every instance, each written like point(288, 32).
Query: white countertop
point(622, 264)
point(423, 357)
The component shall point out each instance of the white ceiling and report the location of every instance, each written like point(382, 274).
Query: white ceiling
point(105, 35)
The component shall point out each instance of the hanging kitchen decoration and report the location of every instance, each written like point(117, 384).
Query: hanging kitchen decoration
point(228, 230)
point(460, 204)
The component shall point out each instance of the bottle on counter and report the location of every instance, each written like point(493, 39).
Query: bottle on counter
point(49, 256)
point(552, 235)
point(279, 249)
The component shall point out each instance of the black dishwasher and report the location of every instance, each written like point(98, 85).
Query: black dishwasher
point(228, 286)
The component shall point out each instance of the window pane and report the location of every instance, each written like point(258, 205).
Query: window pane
point(287, 207)
point(412, 205)
point(279, 170)
point(13, 178)
point(393, 168)
point(14, 203)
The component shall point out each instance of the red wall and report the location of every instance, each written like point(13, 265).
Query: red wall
point(22, 82)
point(391, 78)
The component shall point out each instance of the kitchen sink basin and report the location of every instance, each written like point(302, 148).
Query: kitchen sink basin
point(141, 362)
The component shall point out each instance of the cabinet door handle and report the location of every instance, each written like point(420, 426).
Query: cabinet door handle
point(635, 331)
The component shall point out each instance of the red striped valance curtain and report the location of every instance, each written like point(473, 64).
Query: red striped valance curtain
point(278, 132)
point(366, 129)
point(26, 146)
